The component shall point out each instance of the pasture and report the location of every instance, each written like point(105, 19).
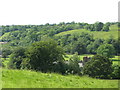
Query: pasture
point(31, 79)
point(68, 56)
point(116, 60)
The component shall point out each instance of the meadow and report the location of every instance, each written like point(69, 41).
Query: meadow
point(32, 79)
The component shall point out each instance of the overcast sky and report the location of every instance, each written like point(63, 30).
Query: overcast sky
point(21, 12)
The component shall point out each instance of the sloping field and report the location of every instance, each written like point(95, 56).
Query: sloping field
point(96, 34)
point(31, 79)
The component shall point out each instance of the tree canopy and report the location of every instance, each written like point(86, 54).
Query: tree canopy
point(98, 66)
point(106, 50)
point(42, 55)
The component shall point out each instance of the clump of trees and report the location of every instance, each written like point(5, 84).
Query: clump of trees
point(16, 58)
point(72, 65)
point(44, 56)
point(41, 56)
point(99, 67)
point(106, 50)
point(116, 72)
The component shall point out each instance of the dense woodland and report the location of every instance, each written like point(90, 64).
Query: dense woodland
point(38, 47)
point(25, 35)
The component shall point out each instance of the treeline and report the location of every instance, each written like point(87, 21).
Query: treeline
point(84, 43)
point(35, 32)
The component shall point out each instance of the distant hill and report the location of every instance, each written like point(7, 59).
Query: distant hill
point(67, 35)
point(96, 34)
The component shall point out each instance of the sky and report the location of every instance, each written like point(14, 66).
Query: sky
point(36, 12)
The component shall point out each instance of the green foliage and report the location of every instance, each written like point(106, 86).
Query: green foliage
point(105, 28)
point(99, 67)
point(98, 26)
point(75, 57)
point(16, 58)
point(69, 67)
point(93, 46)
point(82, 38)
point(71, 36)
point(73, 67)
point(42, 55)
point(116, 72)
point(6, 52)
point(116, 45)
point(78, 47)
point(106, 50)
point(75, 42)
point(60, 67)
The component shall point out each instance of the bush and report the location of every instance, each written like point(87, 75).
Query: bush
point(99, 67)
point(69, 67)
point(16, 58)
point(60, 67)
point(116, 72)
point(73, 67)
point(5, 53)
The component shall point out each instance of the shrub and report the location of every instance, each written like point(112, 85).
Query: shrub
point(73, 66)
point(6, 52)
point(116, 72)
point(69, 67)
point(60, 67)
point(16, 58)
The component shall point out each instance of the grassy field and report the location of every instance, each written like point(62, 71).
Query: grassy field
point(96, 34)
point(118, 60)
point(80, 56)
point(90, 55)
point(31, 79)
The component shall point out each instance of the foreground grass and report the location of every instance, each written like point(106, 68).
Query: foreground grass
point(31, 79)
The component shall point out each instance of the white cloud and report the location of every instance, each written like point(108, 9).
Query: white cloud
point(55, 11)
